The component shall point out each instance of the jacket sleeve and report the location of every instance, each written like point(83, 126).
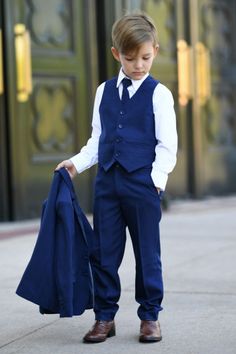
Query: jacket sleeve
point(63, 252)
point(71, 259)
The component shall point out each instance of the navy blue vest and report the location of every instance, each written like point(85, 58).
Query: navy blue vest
point(128, 132)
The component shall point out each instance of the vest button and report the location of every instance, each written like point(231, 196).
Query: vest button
point(120, 126)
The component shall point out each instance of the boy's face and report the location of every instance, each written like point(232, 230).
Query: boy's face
point(137, 64)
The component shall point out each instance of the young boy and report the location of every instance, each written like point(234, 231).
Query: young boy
point(134, 141)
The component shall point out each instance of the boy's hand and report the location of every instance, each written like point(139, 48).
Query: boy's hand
point(69, 166)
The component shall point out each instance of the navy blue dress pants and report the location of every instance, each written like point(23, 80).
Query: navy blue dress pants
point(123, 200)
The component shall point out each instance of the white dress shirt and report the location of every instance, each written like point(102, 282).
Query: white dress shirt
point(165, 132)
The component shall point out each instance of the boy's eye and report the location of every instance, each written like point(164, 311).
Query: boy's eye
point(130, 59)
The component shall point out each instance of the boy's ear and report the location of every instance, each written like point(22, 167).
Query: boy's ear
point(156, 50)
point(115, 53)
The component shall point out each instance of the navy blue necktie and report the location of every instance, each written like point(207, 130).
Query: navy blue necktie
point(125, 94)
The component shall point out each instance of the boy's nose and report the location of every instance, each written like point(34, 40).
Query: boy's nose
point(138, 64)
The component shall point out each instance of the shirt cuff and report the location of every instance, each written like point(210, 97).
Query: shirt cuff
point(79, 164)
point(159, 179)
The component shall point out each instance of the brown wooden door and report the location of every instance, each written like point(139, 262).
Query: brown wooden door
point(53, 121)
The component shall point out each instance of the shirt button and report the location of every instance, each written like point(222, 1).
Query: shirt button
point(120, 126)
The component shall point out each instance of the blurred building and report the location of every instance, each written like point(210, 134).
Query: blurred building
point(54, 53)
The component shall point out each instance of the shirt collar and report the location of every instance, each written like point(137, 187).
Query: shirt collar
point(135, 83)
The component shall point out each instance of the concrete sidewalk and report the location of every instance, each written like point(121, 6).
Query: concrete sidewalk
point(199, 317)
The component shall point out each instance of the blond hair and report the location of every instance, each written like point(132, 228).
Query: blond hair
point(131, 31)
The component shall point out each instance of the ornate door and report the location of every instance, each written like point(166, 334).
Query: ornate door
point(4, 207)
point(51, 81)
point(215, 149)
point(203, 81)
point(169, 18)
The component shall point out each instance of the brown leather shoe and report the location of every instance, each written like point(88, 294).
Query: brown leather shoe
point(150, 331)
point(100, 332)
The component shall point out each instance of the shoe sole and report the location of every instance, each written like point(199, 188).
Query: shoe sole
point(150, 340)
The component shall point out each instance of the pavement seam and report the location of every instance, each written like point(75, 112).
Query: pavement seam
point(199, 293)
point(28, 334)
point(131, 288)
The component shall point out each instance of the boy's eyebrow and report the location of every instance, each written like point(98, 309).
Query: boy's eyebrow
point(133, 55)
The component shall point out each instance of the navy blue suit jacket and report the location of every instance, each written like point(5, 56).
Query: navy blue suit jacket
point(58, 277)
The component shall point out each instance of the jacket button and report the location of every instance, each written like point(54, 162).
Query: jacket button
point(121, 112)
point(117, 140)
point(117, 154)
point(120, 126)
